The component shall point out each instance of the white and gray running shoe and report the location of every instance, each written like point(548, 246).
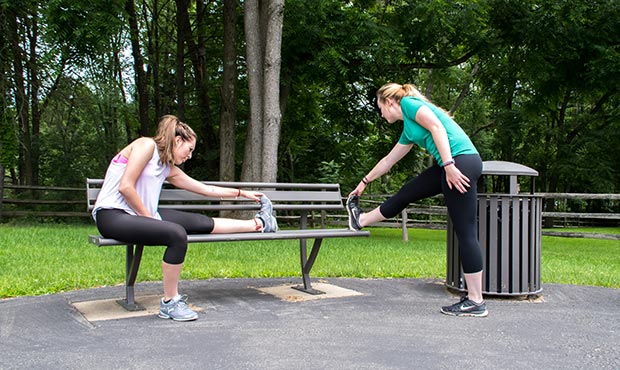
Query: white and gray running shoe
point(270, 224)
point(177, 309)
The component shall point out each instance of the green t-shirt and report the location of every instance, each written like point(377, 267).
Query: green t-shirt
point(414, 133)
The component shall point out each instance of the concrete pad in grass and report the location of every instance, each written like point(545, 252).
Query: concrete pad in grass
point(287, 293)
point(109, 309)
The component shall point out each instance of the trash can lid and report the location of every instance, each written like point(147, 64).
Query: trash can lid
point(506, 168)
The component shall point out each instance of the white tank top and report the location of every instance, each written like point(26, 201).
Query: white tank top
point(148, 187)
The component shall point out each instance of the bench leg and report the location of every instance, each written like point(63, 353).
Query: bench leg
point(306, 265)
point(132, 264)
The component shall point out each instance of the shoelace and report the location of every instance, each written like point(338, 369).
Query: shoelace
point(183, 300)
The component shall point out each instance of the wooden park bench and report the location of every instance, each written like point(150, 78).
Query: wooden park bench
point(298, 199)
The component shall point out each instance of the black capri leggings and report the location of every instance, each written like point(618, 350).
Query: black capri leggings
point(462, 208)
point(170, 231)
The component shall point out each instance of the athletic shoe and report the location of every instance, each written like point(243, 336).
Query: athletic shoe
point(177, 309)
point(466, 307)
point(354, 213)
point(270, 224)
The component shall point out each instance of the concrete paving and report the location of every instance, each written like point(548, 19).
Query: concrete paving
point(359, 324)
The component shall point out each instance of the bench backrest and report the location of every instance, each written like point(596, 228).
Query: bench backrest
point(284, 196)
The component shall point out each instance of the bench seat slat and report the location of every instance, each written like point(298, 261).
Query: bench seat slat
point(280, 235)
point(240, 207)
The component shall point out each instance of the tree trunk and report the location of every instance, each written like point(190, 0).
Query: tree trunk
point(21, 101)
point(180, 65)
point(35, 109)
point(229, 105)
point(200, 70)
point(197, 54)
point(122, 92)
point(138, 67)
point(254, 55)
point(272, 115)
point(150, 18)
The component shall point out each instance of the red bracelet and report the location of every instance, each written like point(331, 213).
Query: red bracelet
point(239, 193)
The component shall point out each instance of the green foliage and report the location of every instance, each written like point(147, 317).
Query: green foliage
point(82, 26)
point(330, 172)
point(534, 81)
point(79, 122)
point(550, 110)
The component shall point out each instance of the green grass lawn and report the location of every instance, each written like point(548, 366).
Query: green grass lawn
point(37, 260)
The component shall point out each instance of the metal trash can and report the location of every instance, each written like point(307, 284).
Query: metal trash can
point(509, 231)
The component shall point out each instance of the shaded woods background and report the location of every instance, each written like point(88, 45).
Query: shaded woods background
point(533, 82)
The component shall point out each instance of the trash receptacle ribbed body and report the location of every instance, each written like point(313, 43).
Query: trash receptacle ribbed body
point(509, 231)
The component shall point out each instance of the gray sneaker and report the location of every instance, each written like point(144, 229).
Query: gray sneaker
point(466, 307)
point(270, 224)
point(354, 212)
point(177, 309)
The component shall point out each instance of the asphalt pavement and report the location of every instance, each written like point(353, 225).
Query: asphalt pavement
point(263, 324)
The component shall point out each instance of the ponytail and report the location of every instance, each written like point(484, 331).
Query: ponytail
point(168, 129)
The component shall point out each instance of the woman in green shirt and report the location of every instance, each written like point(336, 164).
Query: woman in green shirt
point(454, 175)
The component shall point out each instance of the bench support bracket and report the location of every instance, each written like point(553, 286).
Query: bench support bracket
point(306, 265)
point(132, 264)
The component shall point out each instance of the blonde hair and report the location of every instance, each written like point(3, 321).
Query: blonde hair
point(168, 129)
point(397, 92)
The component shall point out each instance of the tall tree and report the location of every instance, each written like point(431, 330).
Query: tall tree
point(8, 131)
point(180, 60)
point(251, 171)
point(138, 67)
point(229, 93)
point(17, 38)
point(272, 120)
point(195, 39)
point(263, 32)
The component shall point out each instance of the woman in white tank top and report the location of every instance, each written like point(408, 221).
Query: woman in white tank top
point(127, 205)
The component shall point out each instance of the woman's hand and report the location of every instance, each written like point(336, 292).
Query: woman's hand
point(456, 179)
point(254, 195)
point(358, 190)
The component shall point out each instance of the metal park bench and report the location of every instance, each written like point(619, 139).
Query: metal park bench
point(299, 199)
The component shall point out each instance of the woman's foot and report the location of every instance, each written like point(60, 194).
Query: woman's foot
point(466, 307)
point(354, 213)
point(176, 309)
point(270, 224)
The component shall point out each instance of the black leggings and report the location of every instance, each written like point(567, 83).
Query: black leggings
point(462, 208)
point(171, 231)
